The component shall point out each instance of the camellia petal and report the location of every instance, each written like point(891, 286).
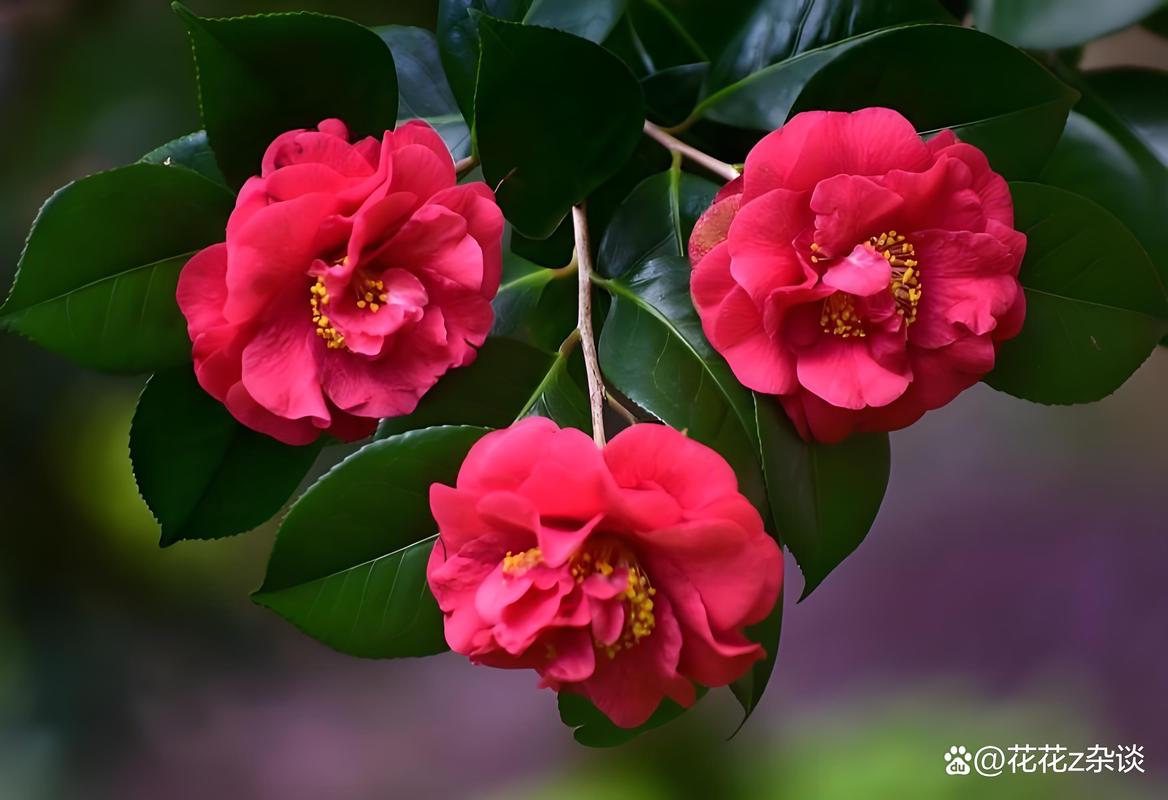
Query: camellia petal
point(352, 277)
point(909, 274)
point(625, 575)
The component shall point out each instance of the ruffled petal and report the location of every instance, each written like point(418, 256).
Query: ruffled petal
point(814, 145)
point(843, 373)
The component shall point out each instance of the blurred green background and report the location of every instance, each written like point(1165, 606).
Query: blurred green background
point(1011, 591)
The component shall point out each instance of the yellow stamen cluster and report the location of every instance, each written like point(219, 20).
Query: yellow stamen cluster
point(372, 294)
point(518, 563)
point(906, 282)
point(324, 327)
point(638, 599)
point(839, 317)
point(639, 619)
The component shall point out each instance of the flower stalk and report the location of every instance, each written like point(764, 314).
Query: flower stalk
point(465, 165)
point(675, 145)
point(596, 393)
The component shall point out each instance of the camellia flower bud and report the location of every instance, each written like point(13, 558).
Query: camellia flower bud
point(625, 575)
point(863, 275)
point(353, 276)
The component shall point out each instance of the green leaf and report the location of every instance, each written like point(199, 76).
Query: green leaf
point(97, 278)
point(204, 475)
point(562, 396)
point(989, 93)
point(592, 728)
point(1053, 24)
point(458, 42)
point(554, 251)
point(349, 563)
point(1095, 305)
point(654, 39)
point(191, 151)
point(655, 220)
point(263, 75)
point(649, 158)
point(1116, 171)
point(824, 498)
point(1117, 152)
point(1136, 98)
point(748, 689)
point(423, 91)
point(508, 380)
point(671, 94)
point(653, 350)
point(593, 20)
point(555, 116)
point(458, 35)
point(776, 30)
point(534, 304)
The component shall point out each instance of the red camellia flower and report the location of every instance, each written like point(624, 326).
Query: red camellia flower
point(352, 278)
point(859, 273)
point(624, 574)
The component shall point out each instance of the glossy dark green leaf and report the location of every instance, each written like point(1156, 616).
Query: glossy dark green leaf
point(262, 75)
point(1095, 305)
point(458, 36)
point(1119, 173)
point(659, 40)
point(593, 20)
point(192, 151)
point(824, 498)
point(592, 728)
point(1116, 153)
point(458, 42)
point(423, 91)
point(202, 473)
point(535, 305)
point(508, 381)
point(987, 92)
point(554, 251)
point(672, 94)
point(555, 116)
point(349, 563)
point(1053, 24)
point(97, 278)
point(775, 30)
point(649, 158)
point(1137, 98)
point(653, 350)
point(655, 220)
point(563, 395)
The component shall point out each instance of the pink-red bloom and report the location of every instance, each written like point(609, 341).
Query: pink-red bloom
point(625, 574)
point(859, 273)
point(352, 278)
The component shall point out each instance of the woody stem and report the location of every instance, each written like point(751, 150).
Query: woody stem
point(672, 143)
point(596, 393)
point(465, 165)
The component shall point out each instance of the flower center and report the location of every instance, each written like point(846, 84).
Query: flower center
point(371, 294)
point(839, 315)
point(906, 282)
point(324, 327)
point(637, 596)
point(519, 563)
